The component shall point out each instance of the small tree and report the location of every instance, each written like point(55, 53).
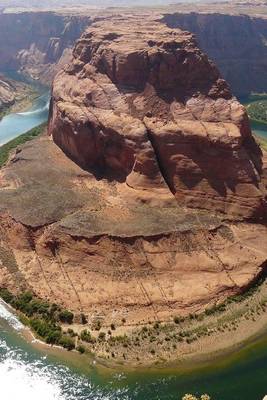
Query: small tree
point(67, 342)
point(66, 316)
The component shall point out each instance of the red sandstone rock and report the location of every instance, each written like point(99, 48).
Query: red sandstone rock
point(140, 102)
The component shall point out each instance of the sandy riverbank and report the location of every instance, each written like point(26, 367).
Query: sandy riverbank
point(195, 341)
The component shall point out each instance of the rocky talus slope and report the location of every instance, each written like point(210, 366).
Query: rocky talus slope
point(155, 210)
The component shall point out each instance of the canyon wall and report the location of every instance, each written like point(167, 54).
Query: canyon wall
point(147, 107)
point(38, 43)
point(12, 92)
point(150, 201)
point(237, 44)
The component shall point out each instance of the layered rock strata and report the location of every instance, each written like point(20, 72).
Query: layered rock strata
point(38, 44)
point(144, 223)
point(146, 106)
point(236, 43)
point(10, 92)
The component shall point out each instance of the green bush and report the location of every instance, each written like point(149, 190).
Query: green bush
point(81, 349)
point(53, 337)
point(67, 342)
point(83, 319)
point(6, 295)
point(66, 316)
point(178, 320)
point(102, 336)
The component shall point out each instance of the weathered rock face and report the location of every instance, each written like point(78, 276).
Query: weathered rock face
point(107, 250)
point(38, 43)
point(7, 96)
point(237, 44)
point(147, 107)
point(159, 138)
point(10, 91)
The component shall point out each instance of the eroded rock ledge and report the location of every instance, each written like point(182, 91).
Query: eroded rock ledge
point(145, 224)
point(141, 103)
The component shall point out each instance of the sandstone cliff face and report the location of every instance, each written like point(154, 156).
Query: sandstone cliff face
point(145, 224)
point(10, 92)
point(111, 252)
point(147, 107)
point(38, 43)
point(7, 96)
point(237, 44)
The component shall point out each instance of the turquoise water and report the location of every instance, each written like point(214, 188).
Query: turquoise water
point(259, 129)
point(30, 373)
point(15, 124)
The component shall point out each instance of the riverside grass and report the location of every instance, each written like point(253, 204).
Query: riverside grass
point(25, 137)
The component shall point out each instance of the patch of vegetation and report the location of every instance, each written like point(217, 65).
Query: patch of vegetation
point(81, 349)
point(86, 336)
point(8, 147)
point(66, 316)
point(67, 342)
point(42, 317)
point(257, 110)
point(262, 143)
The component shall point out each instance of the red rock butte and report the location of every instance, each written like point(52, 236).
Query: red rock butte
point(157, 208)
point(140, 103)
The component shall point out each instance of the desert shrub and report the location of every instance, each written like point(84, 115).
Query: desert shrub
point(6, 295)
point(102, 336)
point(178, 320)
point(85, 336)
point(53, 337)
point(81, 349)
point(83, 319)
point(66, 316)
point(67, 342)
point(71, 332)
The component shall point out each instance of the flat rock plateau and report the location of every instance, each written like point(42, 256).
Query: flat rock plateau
point(147, 197)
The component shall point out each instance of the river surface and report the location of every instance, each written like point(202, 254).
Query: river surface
point(32, 372)
point(15, 124)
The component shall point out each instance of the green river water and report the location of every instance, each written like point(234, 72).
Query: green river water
point(28, 372)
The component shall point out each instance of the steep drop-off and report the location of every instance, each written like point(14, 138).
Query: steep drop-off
point(237, 43)
point(10, 92)
point(38, 43)
point(151, 220)
point(149, 108)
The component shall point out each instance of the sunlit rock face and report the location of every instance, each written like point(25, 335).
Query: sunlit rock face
point(144, 105)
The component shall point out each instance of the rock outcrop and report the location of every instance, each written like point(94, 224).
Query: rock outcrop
point(7, 96)
point(38, 44)
point(111, 252)
point(10, 92)
point(236, 43)
point(147, 107)
point(145, 224)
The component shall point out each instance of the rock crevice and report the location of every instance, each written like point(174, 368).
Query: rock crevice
point(147, 107)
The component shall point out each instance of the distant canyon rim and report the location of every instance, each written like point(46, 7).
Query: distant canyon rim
point(153, 200)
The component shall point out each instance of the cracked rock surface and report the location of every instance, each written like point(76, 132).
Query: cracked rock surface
point(145, 106)
point(146, 213)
